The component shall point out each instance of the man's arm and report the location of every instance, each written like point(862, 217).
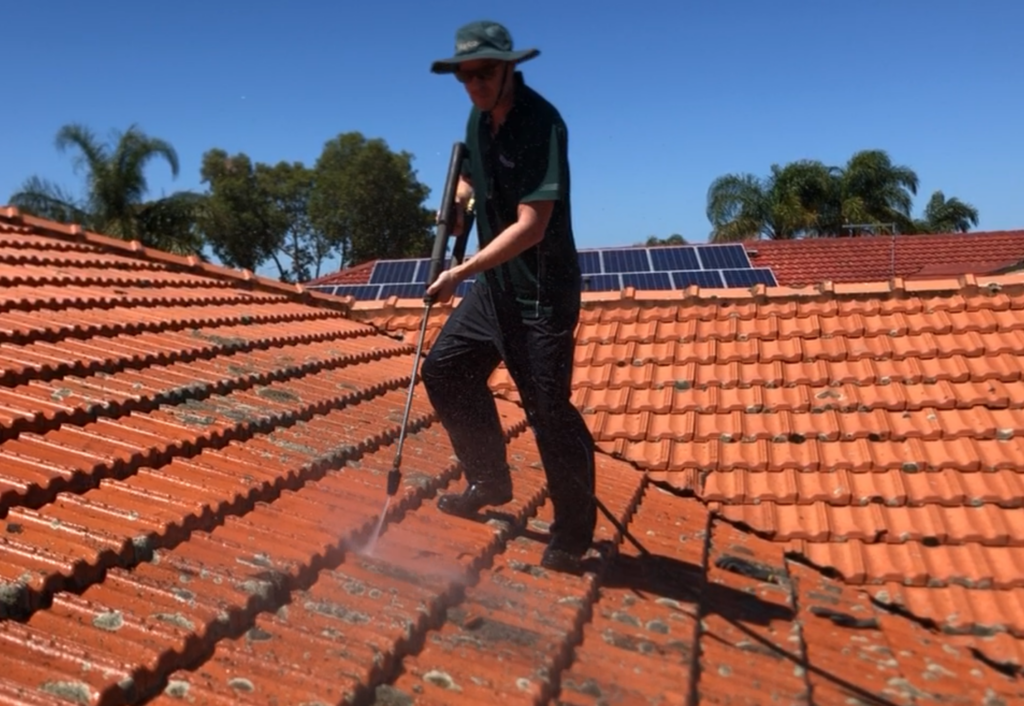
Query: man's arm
point(527, 231)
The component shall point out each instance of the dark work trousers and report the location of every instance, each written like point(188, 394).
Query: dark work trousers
point(538, 353)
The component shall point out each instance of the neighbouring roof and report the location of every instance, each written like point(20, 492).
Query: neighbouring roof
point(811, 261)
point(878, 257)
point(825, 485)
point(357, 274)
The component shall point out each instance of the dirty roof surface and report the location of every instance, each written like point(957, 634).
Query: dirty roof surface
point(191, 463)
point(810, 261)
point(870, 432)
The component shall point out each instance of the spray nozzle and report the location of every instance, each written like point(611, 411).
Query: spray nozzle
point(394, 478)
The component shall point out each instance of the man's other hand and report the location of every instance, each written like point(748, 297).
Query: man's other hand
point(443, 288)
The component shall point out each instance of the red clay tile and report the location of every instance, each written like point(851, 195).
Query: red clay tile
point(875, 257)
point(240, 436)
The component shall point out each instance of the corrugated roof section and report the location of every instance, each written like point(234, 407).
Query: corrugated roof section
point(192, 460)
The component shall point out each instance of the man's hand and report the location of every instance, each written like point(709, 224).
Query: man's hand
point(443, 288)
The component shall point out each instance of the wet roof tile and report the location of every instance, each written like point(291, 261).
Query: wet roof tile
point(192, 461)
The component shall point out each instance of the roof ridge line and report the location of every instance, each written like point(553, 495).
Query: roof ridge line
point(75, 233)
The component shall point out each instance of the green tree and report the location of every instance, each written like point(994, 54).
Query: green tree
point(870, 188)
point(368, 202)
point(786, 204)
point(114, 202)
point(942, 215)
point(241, 221)
point(674, 239)
point(256, 213)
point(807, 198)
point(289, 187)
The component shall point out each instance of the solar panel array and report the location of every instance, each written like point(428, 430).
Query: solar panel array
point(673, 267)
point(612, 269)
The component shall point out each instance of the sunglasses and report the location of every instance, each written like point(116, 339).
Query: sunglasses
point(483, 74)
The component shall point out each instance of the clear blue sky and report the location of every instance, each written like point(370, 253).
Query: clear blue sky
point(661, 97)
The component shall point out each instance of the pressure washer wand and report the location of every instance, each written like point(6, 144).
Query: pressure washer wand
point(444, 223)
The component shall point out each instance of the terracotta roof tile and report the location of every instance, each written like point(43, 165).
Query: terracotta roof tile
point(868, 428)
point(357, 274)
point(867, 258)
point(193, 459)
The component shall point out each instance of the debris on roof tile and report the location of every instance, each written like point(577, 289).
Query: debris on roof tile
point(193, 460)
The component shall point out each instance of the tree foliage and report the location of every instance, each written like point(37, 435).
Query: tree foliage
point(368, 202)
point(114, 200)
point(239, 221)
point(808, 198)
point(942, 215)
point(359, 201)
point(674, 239)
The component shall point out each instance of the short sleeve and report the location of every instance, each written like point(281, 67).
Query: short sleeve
point(548, 178)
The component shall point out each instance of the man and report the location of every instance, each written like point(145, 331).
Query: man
point(524, 305)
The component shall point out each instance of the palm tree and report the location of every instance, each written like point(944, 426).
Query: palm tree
point(943, 215)
point(807, 198)
point(870, 189)
point(114, 202)
point(785, 205)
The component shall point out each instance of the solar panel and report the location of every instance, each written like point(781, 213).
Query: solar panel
point(749, 277)
point(590, 262)
point(393, 272)
point(702, 278)
point(404, 291)
point(647, 280)
point(424, 269)
point(359, 291)
point(721, 257)
point(708, 266)
point(601, 283)
point(626, 260)
point(675, 258)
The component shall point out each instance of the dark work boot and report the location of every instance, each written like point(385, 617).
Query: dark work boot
point(476, 496)
point(562, 560)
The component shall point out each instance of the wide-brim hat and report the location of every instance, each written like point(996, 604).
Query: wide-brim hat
point(482, 40)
